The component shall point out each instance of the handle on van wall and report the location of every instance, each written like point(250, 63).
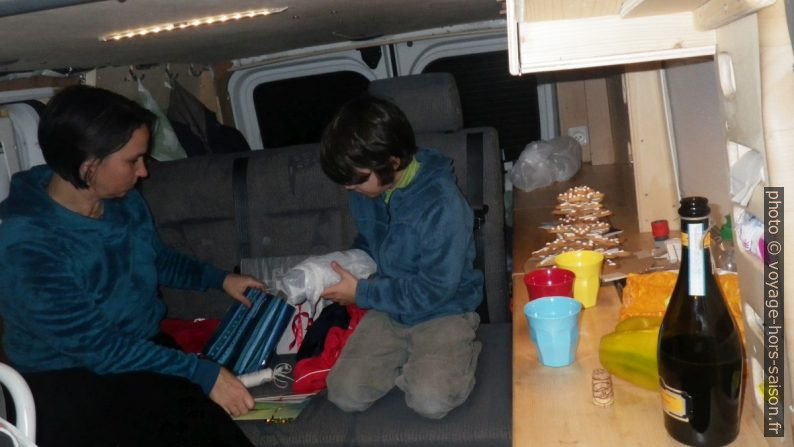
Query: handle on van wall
point(23, 400)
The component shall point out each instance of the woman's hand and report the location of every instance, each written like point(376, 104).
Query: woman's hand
point(343, 292)
point(235, 286)
point(231, 394)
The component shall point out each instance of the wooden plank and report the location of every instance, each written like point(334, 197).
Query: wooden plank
point(572, 106)
point(602, 148)
point(540, 10)
point(777, 89)
point(741, 111)
point(619, 118)
point(653, 168)
point(757, 115)
point(609, 40)
point(514, 10)
point(221, 74)
point(716, 13)
point(38, 82)
point(554, 406)
point(641, 8)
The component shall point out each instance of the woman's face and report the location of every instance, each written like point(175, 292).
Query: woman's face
point(115, 175)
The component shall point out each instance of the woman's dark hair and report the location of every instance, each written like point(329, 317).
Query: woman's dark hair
point(365, 134)
point(82, 123)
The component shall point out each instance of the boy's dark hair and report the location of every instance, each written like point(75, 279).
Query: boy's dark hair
point(365, 134)
point(82, 122)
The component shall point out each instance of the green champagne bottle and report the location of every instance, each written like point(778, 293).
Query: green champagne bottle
point(701, 359)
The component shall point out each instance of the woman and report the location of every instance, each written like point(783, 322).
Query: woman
point(80, 263)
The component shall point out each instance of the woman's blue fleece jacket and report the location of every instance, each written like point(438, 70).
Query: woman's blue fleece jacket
point(423, 244)
point(82, 292)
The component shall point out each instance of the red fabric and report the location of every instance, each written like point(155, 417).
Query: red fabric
point(310, 373)
point(298, 328)
point(190, 335)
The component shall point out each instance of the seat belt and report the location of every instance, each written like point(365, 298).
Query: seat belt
point(474, 186)
point(474, 157)
point(240, 194)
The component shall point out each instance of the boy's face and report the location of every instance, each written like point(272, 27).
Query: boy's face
point(371, 187)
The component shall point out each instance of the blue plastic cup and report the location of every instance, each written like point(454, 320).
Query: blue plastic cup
point(554, 327)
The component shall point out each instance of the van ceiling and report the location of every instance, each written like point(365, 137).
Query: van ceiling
point(59, 36)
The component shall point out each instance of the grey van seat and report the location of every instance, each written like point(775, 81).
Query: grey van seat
point(432, 104)
point(292, 209)
point(484, 420)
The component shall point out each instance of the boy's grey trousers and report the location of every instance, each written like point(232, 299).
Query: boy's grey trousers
point(433, 363)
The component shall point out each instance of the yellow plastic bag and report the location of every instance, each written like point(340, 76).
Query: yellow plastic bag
point(647, 294)
point(630, 351)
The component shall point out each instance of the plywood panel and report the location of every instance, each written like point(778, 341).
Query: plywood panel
point(154, 79)
point(619, 117)
point(703, 169)
point(609, 40)
point(535, 10)
point(715, 13)
point(583, 101)
point(777, 91)
point(741, 111)
point(38, 82)
point(602, 148)
point(572, 105)
point(653, 169)
point(640, 8)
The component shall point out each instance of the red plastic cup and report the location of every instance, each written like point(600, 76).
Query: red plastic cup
point(551, 281)
point(660, 229)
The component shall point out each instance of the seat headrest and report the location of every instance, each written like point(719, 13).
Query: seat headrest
point(429, 100)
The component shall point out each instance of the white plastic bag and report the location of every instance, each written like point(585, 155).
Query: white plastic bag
point(165, 144)
point(309, 278)
point(543, 162)
point(746, 173)
point(302, 285)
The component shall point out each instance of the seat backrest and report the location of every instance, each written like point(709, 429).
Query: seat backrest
point(292, 209)
point(432, 104)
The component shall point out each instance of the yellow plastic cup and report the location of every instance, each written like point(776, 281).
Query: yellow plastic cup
point(586, 265)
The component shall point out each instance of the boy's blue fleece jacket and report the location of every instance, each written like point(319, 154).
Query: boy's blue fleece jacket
point(423, 244)
point(82, 292)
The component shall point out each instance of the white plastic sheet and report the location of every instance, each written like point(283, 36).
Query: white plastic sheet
point(746, 173)
point(165, 144)
point(543, 162)
point(308, 279)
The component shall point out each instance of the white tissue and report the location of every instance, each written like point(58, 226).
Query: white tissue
point(746, 173)
point(309, 278)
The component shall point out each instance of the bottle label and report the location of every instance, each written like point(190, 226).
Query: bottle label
point(706, 240)
point(674, 402)
point(697, 277)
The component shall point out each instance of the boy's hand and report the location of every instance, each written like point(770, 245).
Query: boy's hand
point(343, 292)
point(235, 286)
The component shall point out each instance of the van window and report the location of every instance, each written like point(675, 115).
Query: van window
point(490, 96)
point(295, 111)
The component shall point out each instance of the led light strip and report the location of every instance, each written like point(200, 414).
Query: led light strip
point(192, 23)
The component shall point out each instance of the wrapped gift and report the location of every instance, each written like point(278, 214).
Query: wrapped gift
point(246, 337)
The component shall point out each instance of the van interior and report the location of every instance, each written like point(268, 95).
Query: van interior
point(664, 100)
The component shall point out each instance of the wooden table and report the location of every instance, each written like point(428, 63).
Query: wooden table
point(554, 406)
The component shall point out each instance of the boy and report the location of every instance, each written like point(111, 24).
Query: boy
point(419, 330)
